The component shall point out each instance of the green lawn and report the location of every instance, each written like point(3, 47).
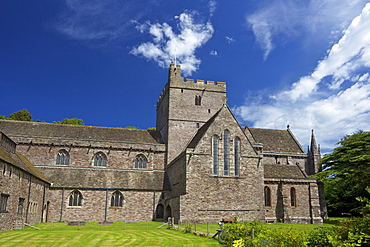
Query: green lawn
point(118, 234)
point(123, 234)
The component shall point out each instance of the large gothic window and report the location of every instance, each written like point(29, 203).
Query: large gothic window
point(75, 198)
point(226, 152)
point(215, 154)
point(117, 199)
point(237, 156)
point(100, 159)
point(267, 192)
point(62, 158)
point(293, 197)
point(140, 161)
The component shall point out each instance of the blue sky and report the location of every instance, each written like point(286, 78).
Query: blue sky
point(299, 62)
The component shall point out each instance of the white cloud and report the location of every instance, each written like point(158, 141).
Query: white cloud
point(168, 45)
point(288, 19)
point(213, 53)
point(344, 58)
point(230, 40)
point(334, 99)
point(212, 5)
point(99, 22)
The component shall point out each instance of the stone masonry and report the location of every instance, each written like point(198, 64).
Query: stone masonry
point(199, 164)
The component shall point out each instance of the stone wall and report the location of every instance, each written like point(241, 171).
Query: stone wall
point(96, 206)
point(306, 209)
point(138, 186)
point(18, 184)
point(210, 197)
point(178, 117)
point(45, 155)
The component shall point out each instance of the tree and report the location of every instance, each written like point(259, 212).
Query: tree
point(346, 174)
point(130, 127)
point(73, 121)
point(22, 115)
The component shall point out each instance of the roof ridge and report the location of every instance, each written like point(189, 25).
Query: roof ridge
point(78, 126)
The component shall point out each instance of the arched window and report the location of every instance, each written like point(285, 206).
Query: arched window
point(215, 154)
point(117, 199)
point(62, 158)
point(237, 156)
point(293, 197)
point(226, 152)
point(267, 191)
point(75, 198)
point(140, 161)
point(100, 159)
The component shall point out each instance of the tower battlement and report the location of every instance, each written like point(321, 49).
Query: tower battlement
point(175, 80)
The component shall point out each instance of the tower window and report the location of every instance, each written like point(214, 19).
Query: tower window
point(198, 100)
point(197, 125)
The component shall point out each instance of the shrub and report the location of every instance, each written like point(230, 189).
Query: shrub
point(279, 238)
point(320, 237)
point(354, 232)
point(237, 231)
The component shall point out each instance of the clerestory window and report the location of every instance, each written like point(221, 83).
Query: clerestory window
point(62, 158)
point(100, 159)
point(140, 161)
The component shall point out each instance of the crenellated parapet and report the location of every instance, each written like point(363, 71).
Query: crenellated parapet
point(175, 80)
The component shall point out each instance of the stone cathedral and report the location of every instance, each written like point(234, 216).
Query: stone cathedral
point(199, 164)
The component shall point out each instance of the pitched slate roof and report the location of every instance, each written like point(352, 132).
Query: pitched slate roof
point(282, 171)
point(104, 178)
point(64, 131)
point(21, 162)
point(273, 140)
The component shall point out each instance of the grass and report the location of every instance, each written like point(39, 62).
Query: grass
point(91, 234)
point(125, 234)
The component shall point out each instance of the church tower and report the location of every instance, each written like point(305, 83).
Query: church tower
point(313, 157)
point(184, 106)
